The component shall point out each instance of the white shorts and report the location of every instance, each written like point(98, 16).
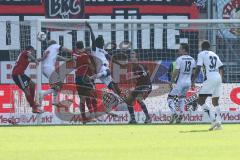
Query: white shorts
point(180, 89)
point(47, 71)
point(211, 87)
point(50, 74)
point(105, 79)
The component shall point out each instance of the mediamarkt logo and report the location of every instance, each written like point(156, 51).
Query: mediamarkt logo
point(23, 119)
point(229, 117)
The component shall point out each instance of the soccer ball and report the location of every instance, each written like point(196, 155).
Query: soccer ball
point(41, 36)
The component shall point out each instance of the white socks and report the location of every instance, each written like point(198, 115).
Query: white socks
point(181, 105)
point(218, 113)
point(171, 105)
point(209, 111)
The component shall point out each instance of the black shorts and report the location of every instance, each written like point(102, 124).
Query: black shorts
point(22, 81)
point(84, 86)
point(144, 91)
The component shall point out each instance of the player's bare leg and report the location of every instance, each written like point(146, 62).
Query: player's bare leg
point(129, 101)
point(86, 96)
point(82, 109)
point(30, 94)
point(172, 106)
point(56, 85)
point(105, 77)
point(88, 102)
point(114, 86)
point(92, 101)
point(145, 111)
point(141, 95)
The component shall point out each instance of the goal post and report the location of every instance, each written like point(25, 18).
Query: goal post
point(156, 42)
point(38, 55)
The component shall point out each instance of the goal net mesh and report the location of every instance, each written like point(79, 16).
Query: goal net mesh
point(156, 45)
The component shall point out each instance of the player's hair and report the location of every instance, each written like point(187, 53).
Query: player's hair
point(79, 45)
point(205, 45)
point(29, 48)
point(99, 41)
point(133, 52)
point(50, 42)
point(185, 46)
point(113, 45)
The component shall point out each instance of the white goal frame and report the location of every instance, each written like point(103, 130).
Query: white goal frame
point(202, 22)
point(156, 43)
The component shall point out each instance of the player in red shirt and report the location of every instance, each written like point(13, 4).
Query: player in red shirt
point(22, 80)
point(85, 68)
point(143, 87)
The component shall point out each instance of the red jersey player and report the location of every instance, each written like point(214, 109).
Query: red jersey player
point(85, 68)
point(143, 87)
point(22, 80)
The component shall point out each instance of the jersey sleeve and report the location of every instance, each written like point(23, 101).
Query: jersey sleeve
point(73, 53)
point(140, 70)
point(194, 63)
point(200, 60)
point(25, 54)
point(219, 63)
point(105, 52)
point(170, 70)
point(58, 47)
point(178, 63)
point(83, 60)
point(86, 59)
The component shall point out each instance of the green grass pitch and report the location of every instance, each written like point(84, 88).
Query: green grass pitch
point(119, 142)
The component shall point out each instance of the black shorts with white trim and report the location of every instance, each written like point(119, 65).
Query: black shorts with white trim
point(22, 81)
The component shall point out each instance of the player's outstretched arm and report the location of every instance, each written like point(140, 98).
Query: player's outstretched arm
point(195, 74)
point(45, 54)
point(64, 49)
point(110, 58)
point(61, 58)
point(98, 75)
point(117, 62)
point(221, 71)
point(32, 58)
point(192, 76)
point(92, 36)
point(132, 75)
point(174, 76)
point(169, 73)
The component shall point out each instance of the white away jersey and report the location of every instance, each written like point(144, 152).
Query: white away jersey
point(100, 58)
point(185, 64)
point(210, 63)
point(51, 58)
